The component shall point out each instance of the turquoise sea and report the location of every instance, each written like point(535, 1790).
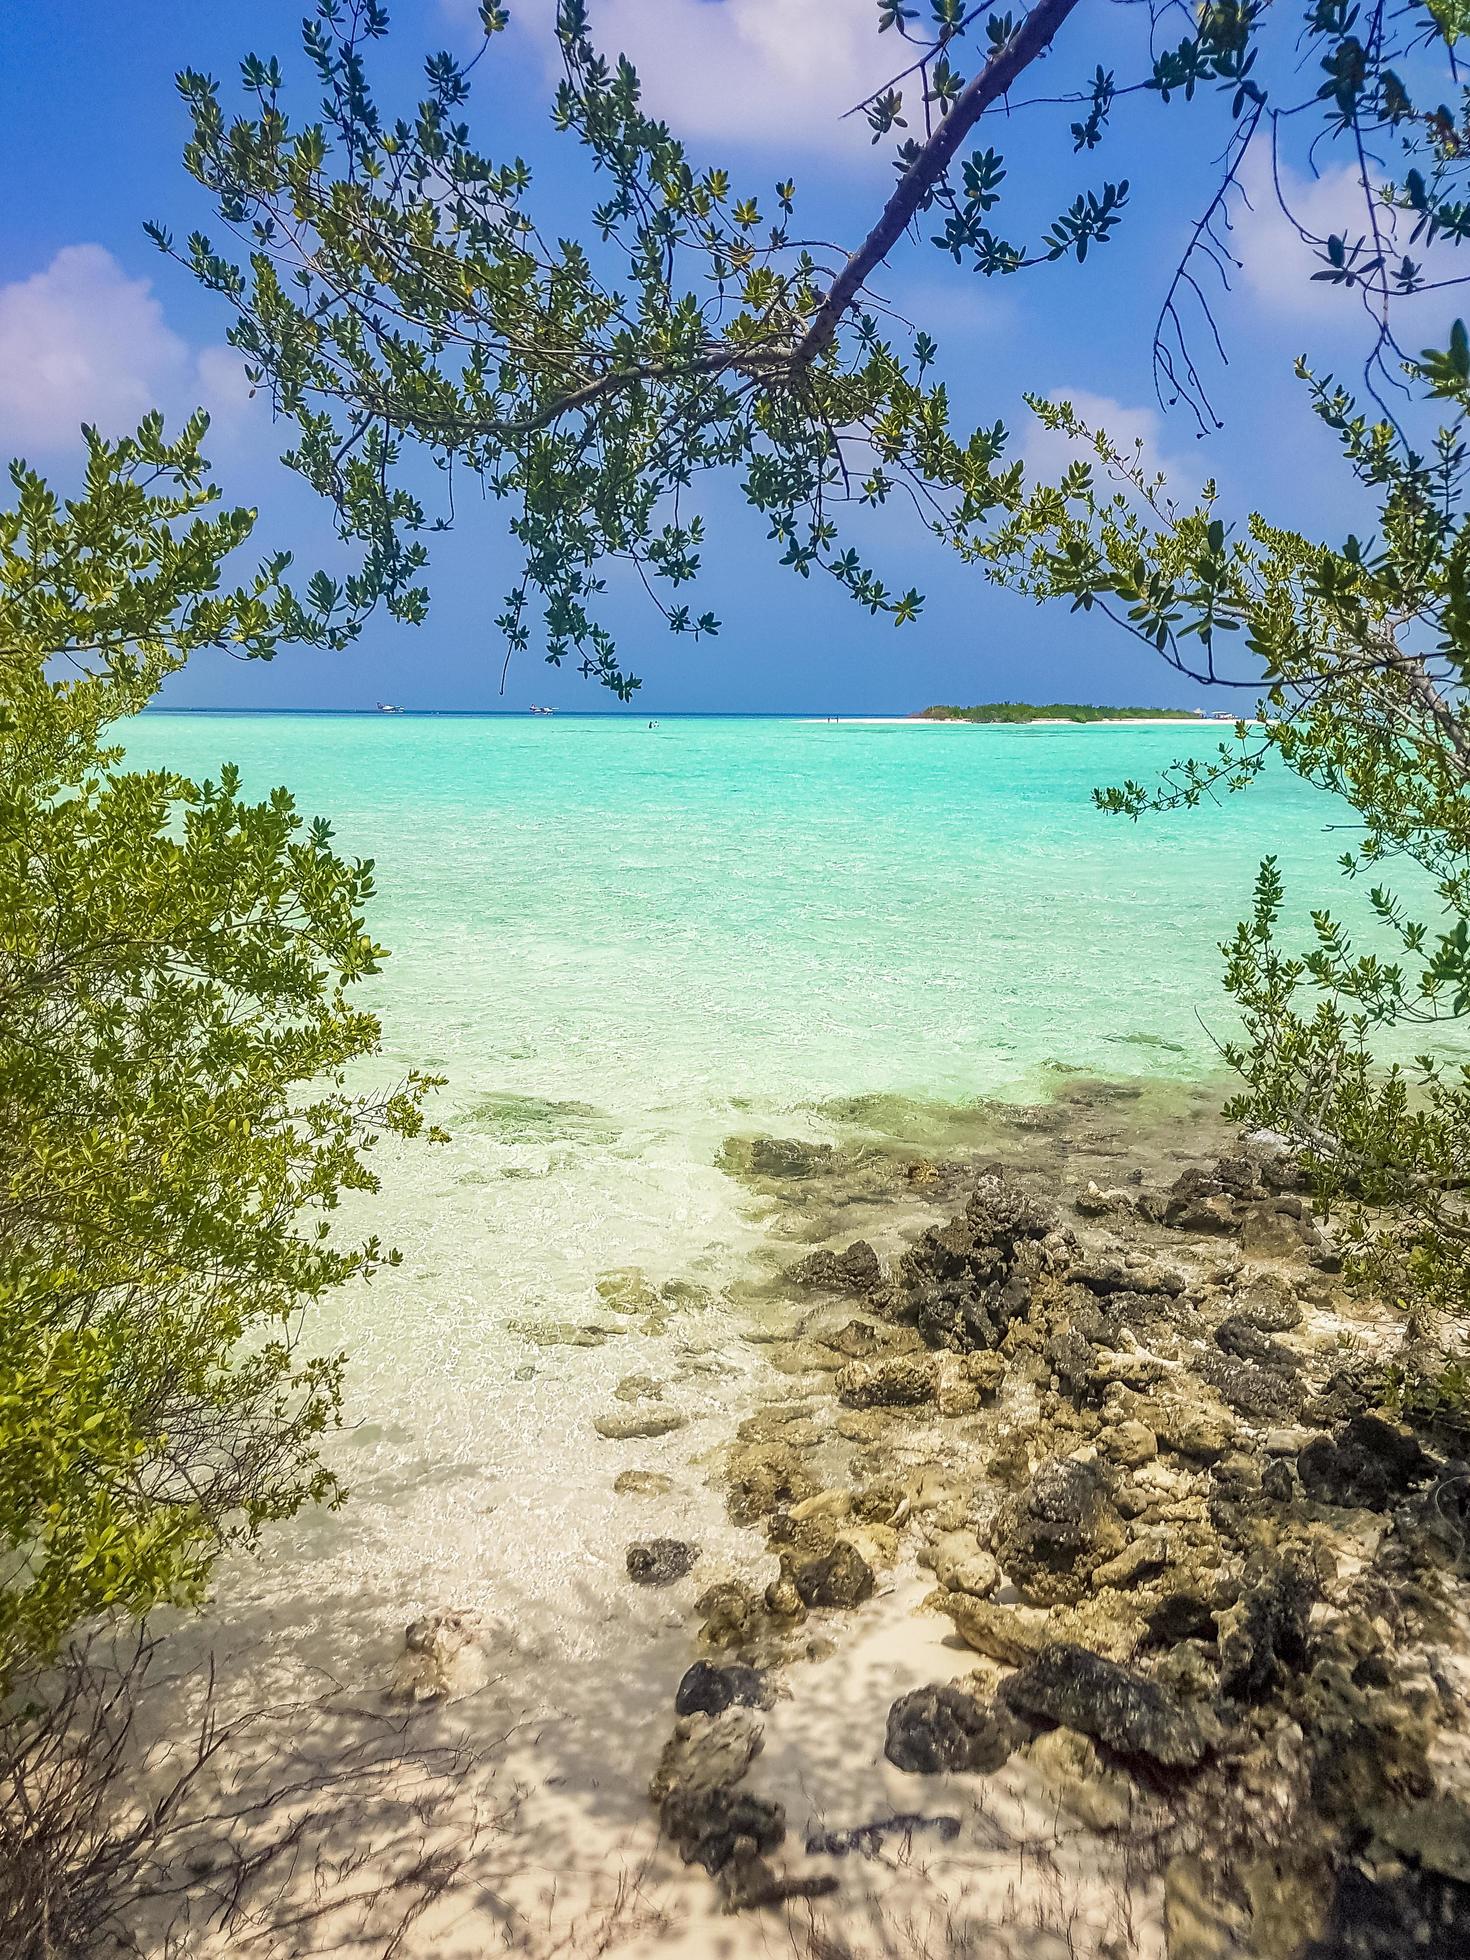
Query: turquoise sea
point(621, 944)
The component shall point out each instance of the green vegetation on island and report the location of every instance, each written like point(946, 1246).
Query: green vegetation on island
point(1047, 711)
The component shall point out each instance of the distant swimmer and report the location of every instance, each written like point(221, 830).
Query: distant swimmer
point(653, 724)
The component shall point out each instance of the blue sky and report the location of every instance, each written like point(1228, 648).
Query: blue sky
point(94, 324)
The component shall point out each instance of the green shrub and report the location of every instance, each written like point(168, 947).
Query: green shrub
point(175, 1033)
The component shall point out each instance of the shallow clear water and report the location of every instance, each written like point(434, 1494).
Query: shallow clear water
point(621, 944)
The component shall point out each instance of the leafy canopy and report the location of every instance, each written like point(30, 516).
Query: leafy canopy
point(395, 292)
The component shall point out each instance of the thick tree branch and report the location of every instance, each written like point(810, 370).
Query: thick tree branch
point(1028, 44)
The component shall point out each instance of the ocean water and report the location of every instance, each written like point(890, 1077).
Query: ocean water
point(621, 945)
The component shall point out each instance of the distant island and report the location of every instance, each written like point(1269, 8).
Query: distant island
point(1052, 711)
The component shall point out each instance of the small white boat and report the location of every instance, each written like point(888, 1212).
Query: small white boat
point(387, 708)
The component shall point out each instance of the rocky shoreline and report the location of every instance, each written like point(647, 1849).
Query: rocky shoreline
point(1215, 1597)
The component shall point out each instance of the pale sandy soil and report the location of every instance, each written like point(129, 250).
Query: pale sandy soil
point(517, 1819)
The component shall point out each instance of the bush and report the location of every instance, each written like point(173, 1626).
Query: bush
point(175, 1035)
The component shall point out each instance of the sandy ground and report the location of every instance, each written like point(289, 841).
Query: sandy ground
point(516, 1820)
point(502, 1824)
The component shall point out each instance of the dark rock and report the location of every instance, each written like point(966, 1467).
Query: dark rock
point(1278, 1485)
point(1369, 1465)
point(1245, 1339)
point(943, 1728)
point(965, 1282)
point(965, 1316)
point(866, 1839)
point(1270, 1307)
point(842, 1578)
point(1003, 1214)
point(660, 1561)
point(708, 1824)
point(1238, 1175)
point(1264, 1394)
point(1347, 1392)
point(1192, 1191)
point(1264, 1638)
point(1080, 1690)
point(1401, 1914)
point(707, 1689)
point(1061, 1527)
point(1071, 1358)
point(857, 1270)
point(747, 1882)
point(1275, 1160)
point(1125, 1272)
point(1181, 1616)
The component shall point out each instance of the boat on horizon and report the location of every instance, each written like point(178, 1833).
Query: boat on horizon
point(542, 711)
point(388, 708)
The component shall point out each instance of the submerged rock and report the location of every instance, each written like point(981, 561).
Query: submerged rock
point(564, 1333)
point(944, 1728)
point(779, 1158)
point(766, 1477)
point(639, 1425)
point(747, 1882)
point(661, 1561)
point(896, 1381)
point(1080, 1690)
point(642, 1483)
point(443, 1659)
point(863, 1340)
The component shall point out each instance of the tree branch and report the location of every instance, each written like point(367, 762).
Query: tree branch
point(1030, 42)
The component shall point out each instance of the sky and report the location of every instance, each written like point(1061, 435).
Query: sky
point(95, 325)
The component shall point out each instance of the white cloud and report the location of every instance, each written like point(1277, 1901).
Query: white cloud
point(83, 342)
point(752, 71)
point(1276, 264)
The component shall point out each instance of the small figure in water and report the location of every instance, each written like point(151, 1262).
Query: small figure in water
point(653, 724)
